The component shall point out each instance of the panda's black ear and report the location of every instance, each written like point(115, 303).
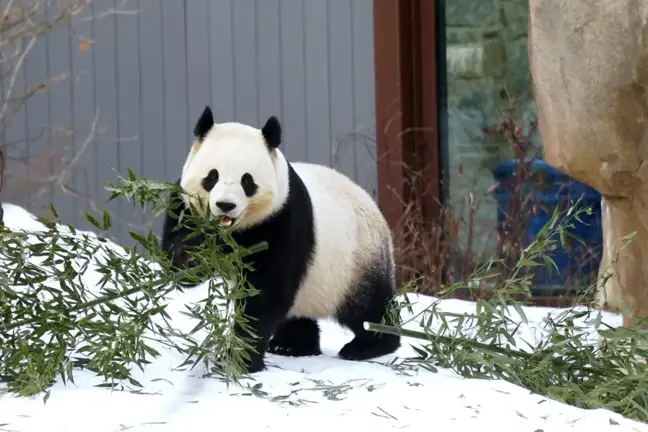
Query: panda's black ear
point(272, 132)
point(204, 123)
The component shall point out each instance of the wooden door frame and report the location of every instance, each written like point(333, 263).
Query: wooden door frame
point(407, 132)
point(406, 106)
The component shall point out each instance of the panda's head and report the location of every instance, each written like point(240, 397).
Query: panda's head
point(235, 171)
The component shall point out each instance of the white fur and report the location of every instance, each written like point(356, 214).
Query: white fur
point(235, 149)
point(349, 230)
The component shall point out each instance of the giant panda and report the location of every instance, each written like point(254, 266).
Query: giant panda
point(330, 250)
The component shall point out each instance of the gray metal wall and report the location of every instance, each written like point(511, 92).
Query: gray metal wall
point(149, 74)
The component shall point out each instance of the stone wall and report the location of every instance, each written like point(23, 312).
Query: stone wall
point(488, 70)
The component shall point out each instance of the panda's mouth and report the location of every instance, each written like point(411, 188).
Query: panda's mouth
point(227, 221)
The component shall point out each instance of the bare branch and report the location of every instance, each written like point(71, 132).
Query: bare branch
point(23, 24)
point(14, 75)
point(59, 178)
point(113, 11)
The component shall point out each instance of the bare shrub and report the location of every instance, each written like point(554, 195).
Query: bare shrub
point(435, 250)
point(24, 23)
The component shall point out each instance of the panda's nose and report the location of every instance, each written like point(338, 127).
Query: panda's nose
point(225, 206)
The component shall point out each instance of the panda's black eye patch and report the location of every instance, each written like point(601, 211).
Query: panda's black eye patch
point(210, 180)
point(249, 187)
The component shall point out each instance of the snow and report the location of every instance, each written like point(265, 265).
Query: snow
point(298, 393)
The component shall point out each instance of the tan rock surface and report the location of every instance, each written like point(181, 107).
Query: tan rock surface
point(589, 62)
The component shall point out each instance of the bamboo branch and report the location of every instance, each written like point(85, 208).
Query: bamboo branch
point(485, 348)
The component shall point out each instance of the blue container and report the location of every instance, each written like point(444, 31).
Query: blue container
point(546, 188)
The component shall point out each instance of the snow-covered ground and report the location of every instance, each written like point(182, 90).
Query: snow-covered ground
point(302, 393)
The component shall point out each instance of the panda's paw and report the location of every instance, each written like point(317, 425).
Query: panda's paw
point(361, 349)
point(256, 364)
point(296, 337)
point(292, 349)
point(256, 367)
point(247, 367)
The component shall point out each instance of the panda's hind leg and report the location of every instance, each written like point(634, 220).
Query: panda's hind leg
point(296, 337)
point(371, 303)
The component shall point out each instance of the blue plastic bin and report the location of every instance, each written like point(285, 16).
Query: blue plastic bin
point(548, 188)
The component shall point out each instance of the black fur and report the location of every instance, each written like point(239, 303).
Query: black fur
point(210, 180)
point(278, 269)
point(272, 132)
point(369, 301)
point(296, 337)
point(204, 123)
point(248, 185)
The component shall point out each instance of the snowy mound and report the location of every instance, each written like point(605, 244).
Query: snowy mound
point(297, 393)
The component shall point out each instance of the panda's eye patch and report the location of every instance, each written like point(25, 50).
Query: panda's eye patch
point(249, 187)
point(210, 180)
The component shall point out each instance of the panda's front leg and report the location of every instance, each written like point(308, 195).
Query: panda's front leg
point(256, 362)
point(262, 320)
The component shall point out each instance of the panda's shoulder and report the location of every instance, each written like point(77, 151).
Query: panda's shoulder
point(326, 185)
